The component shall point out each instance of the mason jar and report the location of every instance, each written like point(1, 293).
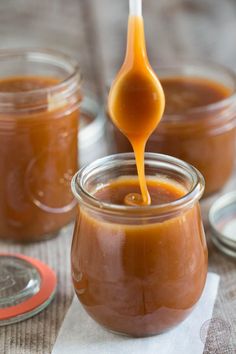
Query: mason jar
point(39, 108)
point(138, 270)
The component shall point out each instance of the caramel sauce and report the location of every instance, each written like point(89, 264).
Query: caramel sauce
point(26, 83)
point(161, 191)
point(136, 100)
point(183, 94)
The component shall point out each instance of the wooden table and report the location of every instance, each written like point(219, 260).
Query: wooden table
point(94, 32)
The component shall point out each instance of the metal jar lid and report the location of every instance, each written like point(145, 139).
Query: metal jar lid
point(222, 218)
point(27, 286)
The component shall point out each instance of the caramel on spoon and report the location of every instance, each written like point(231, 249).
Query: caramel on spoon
point(136, 100)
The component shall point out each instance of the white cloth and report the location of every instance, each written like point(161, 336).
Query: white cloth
point(79, 334)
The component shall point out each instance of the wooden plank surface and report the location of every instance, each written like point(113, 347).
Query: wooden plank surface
point(94, 32)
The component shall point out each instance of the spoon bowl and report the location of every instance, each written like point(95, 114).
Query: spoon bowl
point(138, 95)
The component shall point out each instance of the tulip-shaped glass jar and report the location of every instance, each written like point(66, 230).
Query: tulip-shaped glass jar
point(138, 270)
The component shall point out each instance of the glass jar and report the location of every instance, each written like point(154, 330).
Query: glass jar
point(138, 270)
point(203, 136)
point(94, 142)
point(39, 100)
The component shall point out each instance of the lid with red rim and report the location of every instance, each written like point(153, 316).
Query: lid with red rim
point(27, 286)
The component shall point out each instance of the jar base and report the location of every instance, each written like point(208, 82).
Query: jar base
point(142, 336)
point(144, 328)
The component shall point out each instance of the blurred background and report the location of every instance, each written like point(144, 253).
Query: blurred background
point(94, 31)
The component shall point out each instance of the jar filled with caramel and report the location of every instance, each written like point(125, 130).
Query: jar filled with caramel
point(138, 270)
point(39, 100)
point(199, 121)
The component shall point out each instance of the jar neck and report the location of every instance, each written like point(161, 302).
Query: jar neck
point(213, 121)
point(33, 81)
point(105, 170)
point(48, 99)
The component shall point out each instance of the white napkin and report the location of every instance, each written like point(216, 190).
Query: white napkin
point(79, 334)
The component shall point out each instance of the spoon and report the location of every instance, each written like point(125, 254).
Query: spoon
point(136, 99)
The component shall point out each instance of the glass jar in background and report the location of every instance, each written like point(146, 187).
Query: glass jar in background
point(94, 142)
point(39, 101)
point(138, 270)
point(203, 135)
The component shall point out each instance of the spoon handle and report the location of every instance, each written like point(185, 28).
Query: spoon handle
point(135, 7)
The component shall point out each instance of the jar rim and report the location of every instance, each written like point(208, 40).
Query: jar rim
point(86, 198)
point(51, 56)
point(185, 68)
